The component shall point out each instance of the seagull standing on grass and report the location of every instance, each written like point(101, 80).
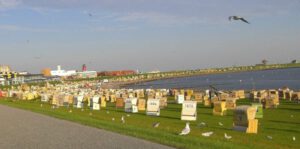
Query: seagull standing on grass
point(238, 18)
point(221, 124)
point(207, 134)
point(202, 124)
point(186, 130)
point(270, 137)
point(227, 137)
point(123, 119)
point(155, 125)
point(294, 138)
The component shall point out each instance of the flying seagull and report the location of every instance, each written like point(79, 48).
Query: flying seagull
point(238, 18)
point(186, 130)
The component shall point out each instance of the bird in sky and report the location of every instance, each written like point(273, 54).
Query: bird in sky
point(186, 130)
point(238, 18)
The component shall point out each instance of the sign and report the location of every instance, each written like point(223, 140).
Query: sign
point(189, 111)
point(44, 98)
point(128, 105)
point(78, 101)
point(180, 99)
point(153, 107)
point(142, 105)
point(131, 105)
point(120, 103)
point(95, 103)
point(103, 102)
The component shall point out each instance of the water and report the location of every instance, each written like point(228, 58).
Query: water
point(266, 79)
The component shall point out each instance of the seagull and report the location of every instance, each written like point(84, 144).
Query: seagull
point(227, 137)
point(238, 18)
point(270, 137)
point(220, 124)
point(113, 119)
point(41, 105)
point(294, 138)
point(207, 134)
point(123, 119)
point(186, 130)
point(155, 125)
point(128, 115)
point(70, 111)
point(202, 124)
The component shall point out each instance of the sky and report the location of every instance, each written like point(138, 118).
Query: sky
point(146, 35)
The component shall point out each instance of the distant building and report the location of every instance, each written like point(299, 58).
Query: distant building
point(46, 72)
point(117, 73)
point(87, 74)
point(155, 71)
point(84, 68)
point(62, 73)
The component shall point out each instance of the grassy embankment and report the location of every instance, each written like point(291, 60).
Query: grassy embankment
point(281, 123)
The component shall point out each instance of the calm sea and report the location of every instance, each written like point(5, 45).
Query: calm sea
point(266, 79)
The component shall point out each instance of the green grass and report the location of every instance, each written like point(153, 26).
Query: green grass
point(277, 123)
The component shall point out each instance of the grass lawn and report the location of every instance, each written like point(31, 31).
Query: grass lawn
point(282, 124)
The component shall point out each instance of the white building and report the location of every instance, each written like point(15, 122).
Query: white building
point(87, 74)
point(62, 73)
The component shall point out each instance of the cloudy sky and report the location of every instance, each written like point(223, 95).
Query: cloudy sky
point(146, 34)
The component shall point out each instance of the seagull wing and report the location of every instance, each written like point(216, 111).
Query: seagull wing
point(242, 19)
point(185, 131)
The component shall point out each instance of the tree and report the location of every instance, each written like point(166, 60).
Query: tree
point(264, 61)
point(294, 61)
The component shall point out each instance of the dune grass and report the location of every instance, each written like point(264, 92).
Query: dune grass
point(282, 124)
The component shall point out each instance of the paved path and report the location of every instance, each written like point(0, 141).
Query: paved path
point(28, 130)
